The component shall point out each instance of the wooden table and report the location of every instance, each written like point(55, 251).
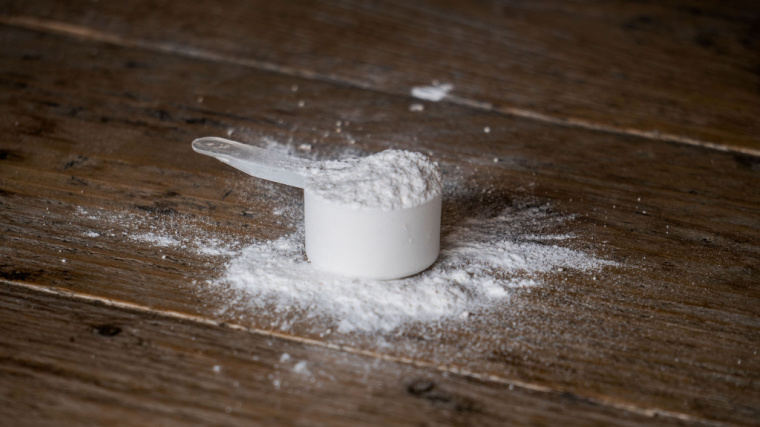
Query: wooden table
point(638, 119)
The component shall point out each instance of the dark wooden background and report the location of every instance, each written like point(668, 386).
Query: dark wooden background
point(639, 118)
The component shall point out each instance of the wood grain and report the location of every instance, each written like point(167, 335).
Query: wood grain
point(70, 362)
point(681, 71)
point(97, 135)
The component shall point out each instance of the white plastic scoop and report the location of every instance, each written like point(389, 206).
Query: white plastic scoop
point(363, 242)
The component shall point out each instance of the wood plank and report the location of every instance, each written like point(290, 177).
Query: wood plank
point(70, 362)
point(107, 129)
point(680, 71)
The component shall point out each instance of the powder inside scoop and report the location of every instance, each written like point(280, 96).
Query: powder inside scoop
point(392, 179)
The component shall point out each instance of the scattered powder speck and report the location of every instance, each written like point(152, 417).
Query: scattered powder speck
point(155, 239)
point(539, 237)
point(434, 93)
point(214, 246)
point(300, 368)
point(177, 233)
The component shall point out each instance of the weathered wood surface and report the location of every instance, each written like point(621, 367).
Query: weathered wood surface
point(70, 362)
point(107, 129)
point(678, 70)
point(97, 128)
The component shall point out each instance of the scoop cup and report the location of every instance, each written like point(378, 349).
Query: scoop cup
point(370, 243)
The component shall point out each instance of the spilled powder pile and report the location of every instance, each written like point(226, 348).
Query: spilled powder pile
point(392, 179)
point(482, 260)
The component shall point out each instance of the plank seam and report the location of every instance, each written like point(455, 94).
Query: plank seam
point(446, 369)
point(70, 30)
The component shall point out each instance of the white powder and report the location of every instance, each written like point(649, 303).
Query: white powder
point(155, 239)
point(300, 368)
point(482, 261)
point(392, 179)
point(179, 233)
point(434, 93)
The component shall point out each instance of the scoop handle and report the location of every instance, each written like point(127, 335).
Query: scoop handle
point(255, 161)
